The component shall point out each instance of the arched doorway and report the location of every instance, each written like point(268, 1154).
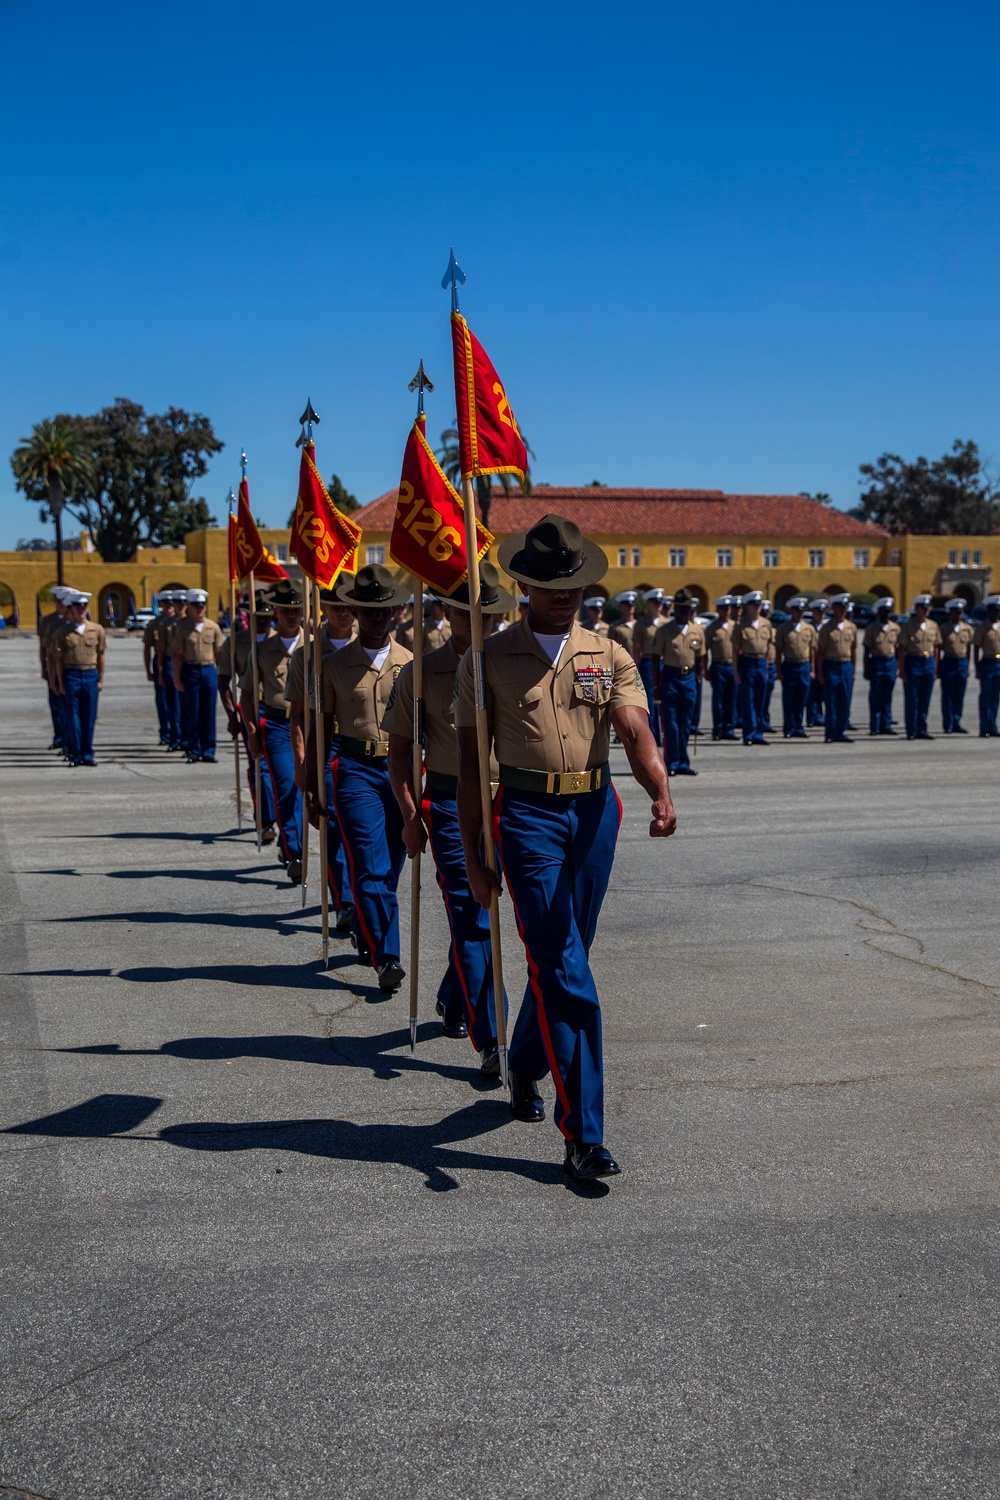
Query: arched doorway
point(114, 603)
point(969, 592)
point(882, 591)
point(835, 588)
point(700, 594)
point(782, 595)
point(740, 588)
point(8, 607)
point(45, 601)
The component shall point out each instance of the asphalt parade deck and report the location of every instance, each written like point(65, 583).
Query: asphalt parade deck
point(252, 1248)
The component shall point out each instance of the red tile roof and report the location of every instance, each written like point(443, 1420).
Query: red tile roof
point(625, 513)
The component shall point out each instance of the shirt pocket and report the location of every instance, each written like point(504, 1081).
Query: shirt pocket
point(591, 692)
point(531, 713)
point(359, 709)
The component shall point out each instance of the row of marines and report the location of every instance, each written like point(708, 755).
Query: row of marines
point(554, 690)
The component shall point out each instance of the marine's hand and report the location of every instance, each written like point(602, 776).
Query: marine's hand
point(482, 882)
point(234, 725)
point(414, 837)
point(312, 809)
point(664, 820)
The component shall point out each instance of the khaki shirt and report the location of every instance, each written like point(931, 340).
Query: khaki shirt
point(795, 642)
point(436, 632)
point(551, 718)
point(273, 663)
point(242, 643)
point(198, 646)
point(439, 738)
point(165, 627)
point(679, 647)
point(719, 641)
point(644, 634)
point(295, 688)
point(149, 635)
point(81, 648)
point(917, 641)
point(623, 633)
point(602, 628)
point(753, 640)
point(882, 640)
point(837, 642)
point(988, 640)
point(956, 640)
point(356, 692)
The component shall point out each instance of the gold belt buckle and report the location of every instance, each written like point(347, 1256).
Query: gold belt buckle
point(574, 781)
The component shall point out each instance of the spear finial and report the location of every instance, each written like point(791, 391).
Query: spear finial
point(454, 277)
point(243, 462)
point(232, 497)
point(421, 382)
point(308, 417)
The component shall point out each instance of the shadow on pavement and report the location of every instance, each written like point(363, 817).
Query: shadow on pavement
point(427, 1149)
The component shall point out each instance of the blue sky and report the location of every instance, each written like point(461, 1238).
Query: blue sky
point(734, 246)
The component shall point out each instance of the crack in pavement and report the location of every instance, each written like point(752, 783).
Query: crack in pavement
point(17, 1489)
point(106, 1364)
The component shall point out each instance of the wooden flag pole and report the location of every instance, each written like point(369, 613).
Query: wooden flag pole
point(256, 704)
point(307, 639)
point(483, 746)
point(324, 814)
point(234, 678)
point(418, 789)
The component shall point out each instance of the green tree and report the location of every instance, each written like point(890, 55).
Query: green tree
point(137, 487)
point(50, 464)
point(951, 495)
point(821, 497)
point(339, 494)
point(449, 457)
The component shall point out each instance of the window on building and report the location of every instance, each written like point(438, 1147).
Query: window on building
point(895, 557)
point(953, 559)
point(723, 557)
point(862, 557)
point(623, 557)
point(678, 557)
point(772, 557)
point(965, 559)
point(374, 555)
point(977, 559)
point(637, 557)
point(281, 552)
point(817, 557)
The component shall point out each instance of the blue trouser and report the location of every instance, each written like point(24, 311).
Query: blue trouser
point(336, 858)
point(838, 685)
point(647, 671)
point(881, 681)
point(201, 684)
point(557, 854)
point(159, 695)
point(267, 814)
point(276, 741)
point(678, 695)
point(814, 705)
point(722, 678)
point(466, 991)
point(172, 705)
point(796, 677)
point(371, 827)
point(771, 677)
point(918, 685)
point(57, 708)
point(954, 671)
point(81, 693)
point(989, 695)
point(753, 686)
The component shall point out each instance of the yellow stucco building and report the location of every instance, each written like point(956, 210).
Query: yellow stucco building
point(709, 541)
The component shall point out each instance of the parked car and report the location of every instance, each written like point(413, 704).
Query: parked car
point(139, 620)
point(863, 615)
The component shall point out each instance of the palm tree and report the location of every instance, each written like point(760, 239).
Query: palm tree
point(450, 460)
point(47, 465)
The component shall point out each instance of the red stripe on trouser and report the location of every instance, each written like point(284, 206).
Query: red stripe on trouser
point(369, 940)
point(274, 784)
point(425, 808)
point(550, 1051)
point(338, 899)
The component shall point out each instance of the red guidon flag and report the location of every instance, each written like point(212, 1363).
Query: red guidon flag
point(488, 436)
point(428, 530)
point(247, 553)
point(324, 542)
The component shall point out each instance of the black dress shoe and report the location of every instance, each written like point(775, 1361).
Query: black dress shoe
point(489, 1062)
point(268, 834)
point(893, 732)
point(294, 871)
point(343, 921)
point(957, 730)
point(842, 739)
point(525, 1100)
point(210, 760)
point(686, 771)
point(390, 975)
point(588, 1163)
point(451, 1025)
point(925, 736)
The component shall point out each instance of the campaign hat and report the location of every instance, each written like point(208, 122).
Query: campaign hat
point(285, 595)
point(553, 554)
point(493, 599)
point(372, 587)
